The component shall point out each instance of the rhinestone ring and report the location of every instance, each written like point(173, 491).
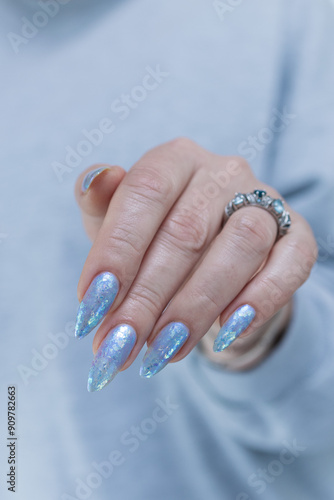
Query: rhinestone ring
point(261, 199)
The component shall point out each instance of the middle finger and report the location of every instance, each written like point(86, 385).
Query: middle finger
point(178, 246)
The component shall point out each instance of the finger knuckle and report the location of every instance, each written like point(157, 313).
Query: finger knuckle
point(206, 298)
point(188, 230)
point(273, 291)
point(239, 167)
point(182, 143)
point(251, 233)
point(148, 184)
point(304, 254)
point(241, 162)
point(271, 285)
point(146, 298)
point(182, 147)
point(126, 241)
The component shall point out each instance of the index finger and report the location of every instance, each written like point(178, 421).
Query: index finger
point(135, 213)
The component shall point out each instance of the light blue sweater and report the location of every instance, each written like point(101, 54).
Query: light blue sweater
point(102, 81)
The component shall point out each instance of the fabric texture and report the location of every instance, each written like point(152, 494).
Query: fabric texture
point(222, 76)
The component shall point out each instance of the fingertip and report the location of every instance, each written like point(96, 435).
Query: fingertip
point(95, 187)
point(90, 177)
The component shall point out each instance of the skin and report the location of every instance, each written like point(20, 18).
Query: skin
point(148, 228)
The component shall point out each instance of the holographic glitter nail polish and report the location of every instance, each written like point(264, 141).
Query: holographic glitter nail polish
point(233, 327)
point(96, 303)
point(111, 356)
point(166, 344)
point(86, 183)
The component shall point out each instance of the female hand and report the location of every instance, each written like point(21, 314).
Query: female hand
point(158, 242)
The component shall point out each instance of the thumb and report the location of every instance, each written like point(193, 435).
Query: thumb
point(94, 189)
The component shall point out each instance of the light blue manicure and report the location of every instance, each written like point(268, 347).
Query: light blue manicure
point(166, 344)
point(111, 356)
point(96, 303)
point(90, 177)
point(234, 326)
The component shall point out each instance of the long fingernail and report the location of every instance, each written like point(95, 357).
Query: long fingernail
point(166, 344)
point(233, 327)
point(111, 356)
point(86, 183)
point(96, 303)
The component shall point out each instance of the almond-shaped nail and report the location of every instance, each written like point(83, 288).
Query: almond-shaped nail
point(96, 303)
point(88, 179)
point(233, 327)
point(165, 345)
point(111, 356)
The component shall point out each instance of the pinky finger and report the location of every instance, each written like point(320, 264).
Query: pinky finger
point(287, 268)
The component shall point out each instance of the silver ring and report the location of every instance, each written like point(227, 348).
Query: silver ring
point(259, 198)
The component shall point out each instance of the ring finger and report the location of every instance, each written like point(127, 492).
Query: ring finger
point(237, 253)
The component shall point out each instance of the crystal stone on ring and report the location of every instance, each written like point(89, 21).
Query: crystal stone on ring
point(278, 206)
point(238, 200)
point(259, 193)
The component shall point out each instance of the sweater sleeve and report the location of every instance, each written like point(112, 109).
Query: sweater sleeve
point(297, 378)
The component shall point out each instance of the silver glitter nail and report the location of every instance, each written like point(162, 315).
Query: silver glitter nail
point(88, 179)
point(96, 303)
point(166, 344)
point(234, 326)
point(111, 356)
